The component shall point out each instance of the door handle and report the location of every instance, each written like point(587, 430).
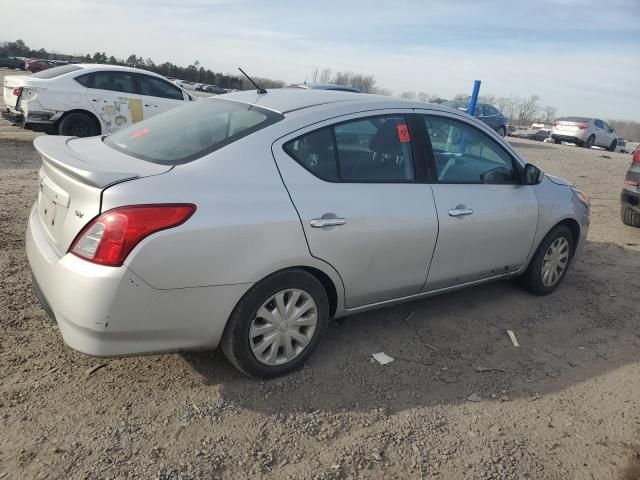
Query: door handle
point(460, 212)
point(327, 222)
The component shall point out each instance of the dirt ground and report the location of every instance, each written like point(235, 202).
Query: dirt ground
point(458, 402)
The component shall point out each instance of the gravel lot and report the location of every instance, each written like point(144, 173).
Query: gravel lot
point(459, 401)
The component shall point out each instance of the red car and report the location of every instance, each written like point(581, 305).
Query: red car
point(36, 65)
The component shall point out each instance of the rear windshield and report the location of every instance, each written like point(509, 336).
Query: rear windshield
point(191, 131)
point(56, 71)
point(574, 119)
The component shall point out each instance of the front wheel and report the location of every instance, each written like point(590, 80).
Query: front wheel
point(550, 263)
point(613, 146)
point(277, 324)
point(502, 131)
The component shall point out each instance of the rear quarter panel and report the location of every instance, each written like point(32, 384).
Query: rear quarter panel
point(244, 229)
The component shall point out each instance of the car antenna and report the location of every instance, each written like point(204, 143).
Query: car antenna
point(260, 89)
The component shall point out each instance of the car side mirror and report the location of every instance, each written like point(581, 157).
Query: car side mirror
point(532, 175)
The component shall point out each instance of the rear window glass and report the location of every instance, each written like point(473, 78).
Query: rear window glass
point(191, 131)
point(56, 71)
point(574, 119)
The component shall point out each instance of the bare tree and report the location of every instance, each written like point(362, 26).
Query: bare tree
point(424, 97)
point(408, 95)
point(548, 114)
point(382, 91)
point(626, 129)
point(488, 99)
point(461, 97)
point(526, 109)
point(325, 76)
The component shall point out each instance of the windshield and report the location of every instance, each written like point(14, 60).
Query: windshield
point(56, 71)
point(186, 133)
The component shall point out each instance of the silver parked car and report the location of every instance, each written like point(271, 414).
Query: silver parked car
point(249, 220)
point(584, 132)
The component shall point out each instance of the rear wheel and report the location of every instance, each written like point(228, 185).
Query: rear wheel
point(550, 263)
point(630, 217)
point(557, 141)
point(277, 324)
point(502, 131)
point(590, 141)
point(78, 124)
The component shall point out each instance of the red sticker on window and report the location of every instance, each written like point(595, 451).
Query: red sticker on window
point(140, 133)
point(403, 133)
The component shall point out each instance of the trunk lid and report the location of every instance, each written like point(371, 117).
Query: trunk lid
point(73, 176)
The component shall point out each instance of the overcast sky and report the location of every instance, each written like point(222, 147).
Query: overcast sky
point(581, 56)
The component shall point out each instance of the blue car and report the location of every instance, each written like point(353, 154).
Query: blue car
point(484, 112)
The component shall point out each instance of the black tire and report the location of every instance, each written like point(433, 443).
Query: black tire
point(78, 124)
point(502, 131)
point(557, 141)
point(630, 217)
point(613, 146)
point(235, 341)
point(532, 278)
point(590, 142)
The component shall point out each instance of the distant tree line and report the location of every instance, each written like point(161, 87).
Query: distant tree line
point(194, 72)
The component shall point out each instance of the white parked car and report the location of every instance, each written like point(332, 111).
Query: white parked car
point(584, 132)
point(84, 100)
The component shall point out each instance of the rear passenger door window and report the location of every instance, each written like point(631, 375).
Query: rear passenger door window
point(372, 149)
point(122, 82)
point(464, 154)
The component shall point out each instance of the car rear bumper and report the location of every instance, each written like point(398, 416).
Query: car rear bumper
point(110, 311)
point(13, 116)
point(567, 137)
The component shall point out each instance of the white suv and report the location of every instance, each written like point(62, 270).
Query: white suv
point(584, 132)
point(83, 100)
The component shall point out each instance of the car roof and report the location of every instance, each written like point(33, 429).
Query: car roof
point(102, 66)
point(285, 100)
point(324, 86)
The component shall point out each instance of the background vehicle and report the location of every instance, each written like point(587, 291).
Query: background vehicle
point(584, 132)
point(12, 62)
point(485, 113)
point(621, 145)
point(214, 89)
point(185, 84)
point(324, 86)
point(37, 65)
point(85, 100)
point(630, 196)
point(156, 226)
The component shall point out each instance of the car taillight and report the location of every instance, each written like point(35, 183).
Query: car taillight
point(110, 237)
point(582, 126)
point(17, 91)
point(636, 156)
point(631, 183)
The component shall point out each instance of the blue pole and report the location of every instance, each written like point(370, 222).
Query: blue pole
point(474, 98)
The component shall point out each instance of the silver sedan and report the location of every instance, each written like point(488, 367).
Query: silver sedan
point(249, 220)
